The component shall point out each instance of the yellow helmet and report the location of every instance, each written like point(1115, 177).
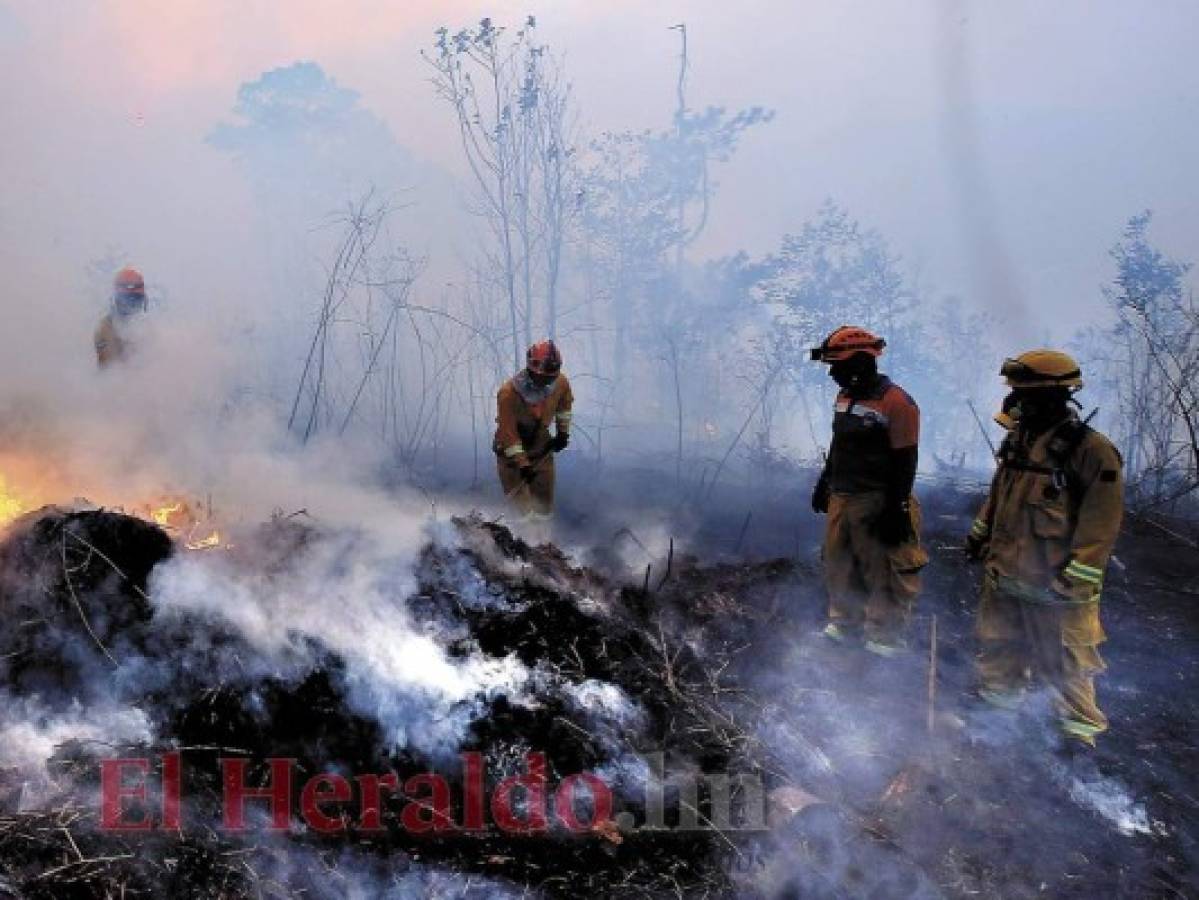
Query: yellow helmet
point(1042, 369)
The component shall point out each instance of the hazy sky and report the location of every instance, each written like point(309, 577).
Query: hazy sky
point(999, 146)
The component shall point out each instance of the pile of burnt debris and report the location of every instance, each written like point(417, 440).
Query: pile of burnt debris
point(844, 774)
point(628, 688)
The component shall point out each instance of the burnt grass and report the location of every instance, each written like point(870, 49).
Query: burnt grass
point(209, 700)
point(722, 655)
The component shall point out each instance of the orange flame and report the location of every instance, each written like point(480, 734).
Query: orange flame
point(209, 543)
point(11, 505)
point(178, 517)
point(163, 515)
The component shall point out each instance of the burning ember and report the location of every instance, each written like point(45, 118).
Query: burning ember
point(207, 543)
point(165, 516)
point(187, 522)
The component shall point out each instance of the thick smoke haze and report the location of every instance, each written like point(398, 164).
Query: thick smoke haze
point(989, 154)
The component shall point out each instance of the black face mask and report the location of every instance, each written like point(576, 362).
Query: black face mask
point(856, 374)
point(128, 304)
point(542, 381)
point(1038, 409)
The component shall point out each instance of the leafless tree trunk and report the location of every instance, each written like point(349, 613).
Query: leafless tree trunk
point(512, 107)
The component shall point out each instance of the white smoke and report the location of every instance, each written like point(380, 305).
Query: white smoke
point(30, 733)
point(347, 595)
point(1111, 800)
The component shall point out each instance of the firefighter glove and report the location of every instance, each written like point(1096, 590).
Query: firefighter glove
point(821, 494)
point(894, 524)
point(978, 539)
point(976, 547)
point(561, 441)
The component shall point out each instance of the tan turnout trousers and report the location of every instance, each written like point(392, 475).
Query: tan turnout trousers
point(534, 499)
point(871, 586)
point(1056, 644)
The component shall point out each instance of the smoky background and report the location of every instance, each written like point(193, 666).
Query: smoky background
point(334, 260)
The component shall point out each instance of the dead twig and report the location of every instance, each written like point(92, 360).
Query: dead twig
point(99, 860)
point(94, 549)
point(669, 565)
point(66, 574)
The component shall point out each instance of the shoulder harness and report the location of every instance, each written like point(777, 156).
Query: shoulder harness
point(1062, 446)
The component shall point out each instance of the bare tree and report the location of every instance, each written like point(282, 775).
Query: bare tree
point(513, 110)
point(379, 362)
point(1149, 360)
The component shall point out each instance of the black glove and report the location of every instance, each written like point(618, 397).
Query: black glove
point(976, 548)
point(894, 524)
point(821, 494)
point(561, 441)
point(527, 473)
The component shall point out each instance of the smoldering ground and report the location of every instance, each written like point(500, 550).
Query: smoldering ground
point(981, 805)
point(352, 620)
point(437, 637)
point(330, 615)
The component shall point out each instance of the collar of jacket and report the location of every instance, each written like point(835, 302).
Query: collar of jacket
point(1046, 435)
point(531, 392)
point(872, 391)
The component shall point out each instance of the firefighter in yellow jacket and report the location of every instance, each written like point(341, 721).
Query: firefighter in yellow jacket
point(527, 405)
point(1045, 535)
point(872, 552)
point(128, 301)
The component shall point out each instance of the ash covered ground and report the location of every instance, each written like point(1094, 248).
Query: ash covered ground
point(323, 646)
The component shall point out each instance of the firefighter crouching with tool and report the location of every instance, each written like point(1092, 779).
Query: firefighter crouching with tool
point(527, 404)
point(872, 552)
point(1045, 535)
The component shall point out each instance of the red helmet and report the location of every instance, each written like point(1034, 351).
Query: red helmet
point(845, 342)
point(129, 281)
point(544, 359)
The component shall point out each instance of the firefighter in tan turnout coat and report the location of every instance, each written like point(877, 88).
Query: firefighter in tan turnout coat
point(527, 405)
point(872, 552)
point(1045, 535)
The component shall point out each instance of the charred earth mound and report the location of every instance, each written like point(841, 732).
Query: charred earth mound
point(475, 661)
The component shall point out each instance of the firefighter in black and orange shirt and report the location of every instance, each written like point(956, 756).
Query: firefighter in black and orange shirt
point(872, 552)
point(527, 404)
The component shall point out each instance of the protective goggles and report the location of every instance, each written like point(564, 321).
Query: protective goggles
point(825, 353)
point(1018, 372)
point(128, 301)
